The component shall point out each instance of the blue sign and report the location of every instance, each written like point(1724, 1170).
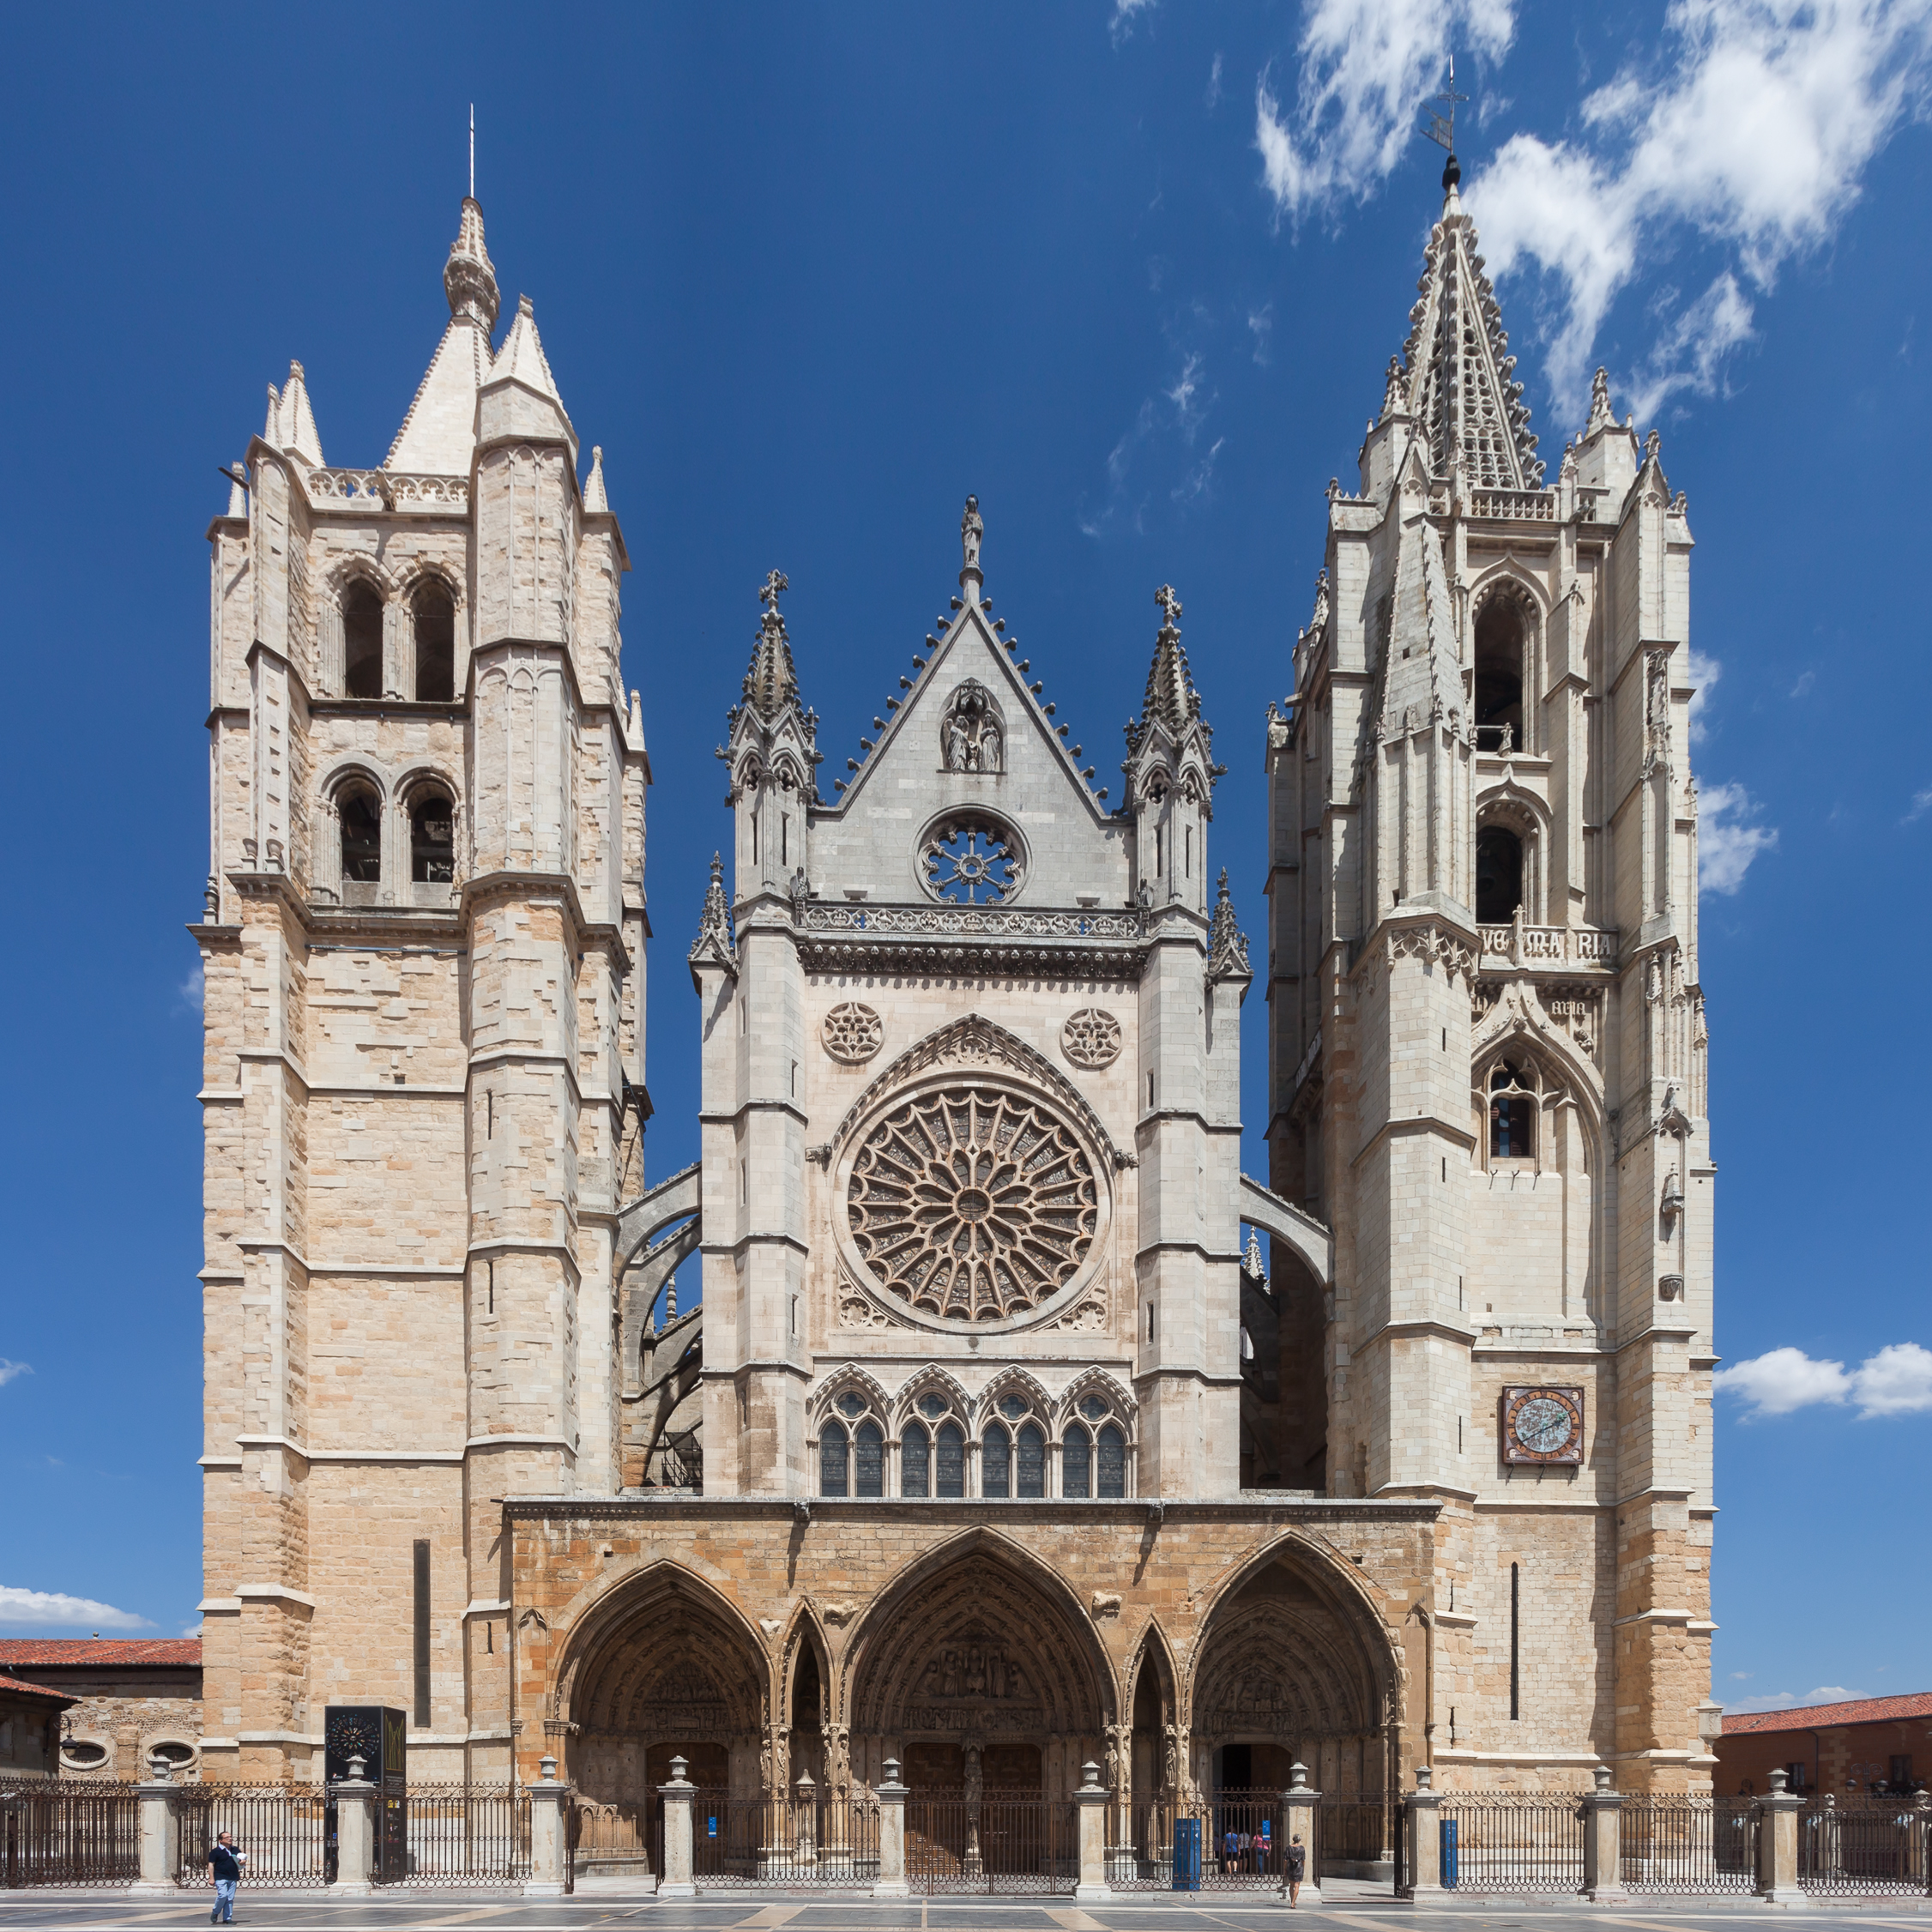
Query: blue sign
point(1449, 1854)
point(710, 1827)
point(1187, 1855)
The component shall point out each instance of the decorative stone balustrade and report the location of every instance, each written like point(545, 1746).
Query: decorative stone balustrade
point(383, 489)
point(1536, 506)
point(1549, 945)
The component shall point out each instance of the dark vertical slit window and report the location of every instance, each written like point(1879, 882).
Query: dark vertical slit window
point(831, 1460)
point(868, 1461)
point(422, 1635)
point(949, 1461)
point(436, 647)
point(1076, 1477)
point(916, 1462)
point(362, 837)
point(996, 1463)
point(1112, 1463)
point(1032, 1474)
point(1515, 1628)
point(432, 840)
point(362, 643)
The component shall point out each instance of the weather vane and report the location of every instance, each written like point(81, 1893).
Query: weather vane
point(1441, 129)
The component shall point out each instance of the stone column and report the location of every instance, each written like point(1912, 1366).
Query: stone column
point(161, 1832)
point(675, 1880)
point(550, 1834)
point(355, 1833)
point(892, 1881)
point(1602, 1842)
point(1424, 1862)
point(1778, 1844)
point(1090, 1810)
point(1298, 1822)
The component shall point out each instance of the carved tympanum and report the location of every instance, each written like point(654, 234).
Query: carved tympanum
point(973, 1201)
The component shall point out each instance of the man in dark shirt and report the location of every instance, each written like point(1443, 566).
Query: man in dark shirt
point(225, 1868)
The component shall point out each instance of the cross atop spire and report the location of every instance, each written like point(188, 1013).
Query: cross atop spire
point(1170, 606)
point(771, 683)
point(774, 580)
point(1441, 129)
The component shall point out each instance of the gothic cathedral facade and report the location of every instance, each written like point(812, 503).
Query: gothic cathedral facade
point(996, 1443)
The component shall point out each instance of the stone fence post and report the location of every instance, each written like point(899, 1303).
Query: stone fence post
point(1778, 1844)
point(1422, 1868)
point(892, 1881)
point(161, 1831)
point(1299, 1822)
point(1602, 1842)
point(675, 1880)
point(1090, 1801)
point(550, 1834)
point(354, 1798)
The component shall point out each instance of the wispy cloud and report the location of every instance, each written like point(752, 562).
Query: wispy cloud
point(1365, 67)
point(1895, 1381)
point(1127, 14)
point(1752, 125)
point(1785, 1700)
point(1704, 673)
point(1802, 689)
point(190, 991)
point(1727, 838)
point(1922, 803)
point(9, 1370)
point(1177, 411)
point(1213, 85)
point(1261, 326)
point(56, 1607)
point(1196, 482)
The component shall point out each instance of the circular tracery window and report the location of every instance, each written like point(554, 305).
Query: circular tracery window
point(972, 1203)
point(970, 861)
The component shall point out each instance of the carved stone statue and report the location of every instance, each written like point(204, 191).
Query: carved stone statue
point(989, 745)
point(955, 743)
point(971, 529)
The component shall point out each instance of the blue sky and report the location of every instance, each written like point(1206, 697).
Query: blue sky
point(1132, 274)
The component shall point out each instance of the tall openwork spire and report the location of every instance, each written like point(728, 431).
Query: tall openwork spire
point(1455, 376)
point(1171, 698)
point(772, 682)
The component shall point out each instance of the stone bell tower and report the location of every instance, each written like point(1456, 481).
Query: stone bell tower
point(1487, 1050)
point(423, 1078)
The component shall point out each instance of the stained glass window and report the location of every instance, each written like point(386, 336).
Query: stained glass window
point(996, 1463)
point(1076, 1465)
point(868, 1461)
point(915, 1456)
point(831, 1460)
point(1113, 1462)
point(1032, 1462)
point(949, 1461)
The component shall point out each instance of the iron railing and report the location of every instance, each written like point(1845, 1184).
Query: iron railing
point(1511, 1841)
point(1681, 1844)
point(283, 1830)
point(1873, 1847)
point(1240, 1840)
point(1356, 1837)
point(57, 1832)
point(460, 1834)
point(1005, 1842)
point(797, 1843)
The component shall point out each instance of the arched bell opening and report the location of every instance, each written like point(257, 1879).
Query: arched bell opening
point(663, 1669)
point(1295, 1667)
point(980, 1674)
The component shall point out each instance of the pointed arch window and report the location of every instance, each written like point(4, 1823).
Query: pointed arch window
point(1499, 639)
point(996, 1462)
point(949, 1461)
point(432, 839)
point(834, 1453)
point(1112, 1460)
point(1077, 1463)
point(1512, 1113)
point(915, 1461)
point(361, 815)
point(362, 641)
point(435, 619)
point(1499, 875)
point(1029, 1461)
point(868, 1459)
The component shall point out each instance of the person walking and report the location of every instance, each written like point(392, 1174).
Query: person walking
point(1295, 1866)
point(224, 1869)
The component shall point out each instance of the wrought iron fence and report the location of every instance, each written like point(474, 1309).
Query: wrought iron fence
point(1235, 1844)
point(1511, 1841)
point(1688, 1844)
point(1867, 1848)
point(1356, 1837)
point(798, 1842)
point(1006, 1842)
point(55, 1831)
point(283, 1830)
point(460, 1834)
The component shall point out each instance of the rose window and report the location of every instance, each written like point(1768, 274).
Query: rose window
point(970, 862)
point(972, 1203)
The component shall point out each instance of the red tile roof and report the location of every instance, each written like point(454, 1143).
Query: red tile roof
point(29, 1650)
point(18, 1689)
point(1823, 1717)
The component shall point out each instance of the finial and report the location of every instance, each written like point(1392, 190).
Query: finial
point(1170, 607)
point(1441, 130)
point(473, 150)
point(469, 279)
point(971, 529)
point(774, 580)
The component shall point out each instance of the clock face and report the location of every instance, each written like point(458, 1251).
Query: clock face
point(1543, 1425)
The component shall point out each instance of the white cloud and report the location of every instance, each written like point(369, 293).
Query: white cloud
point(1196, 481)
point(1753, 130)
point(1922, 803)
point(1802, 689)
point(1785, 1700)
point(55, 1607)
point(9, 1369)
point(1727, 840)
point(1366, 67)
point(1213, 85)
point(1261, 326)
point(1188, 413)
point(1126, 13)
point(1742, 1676)
point(190, 990)
point(1703, 672)
point(1896, 1381)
